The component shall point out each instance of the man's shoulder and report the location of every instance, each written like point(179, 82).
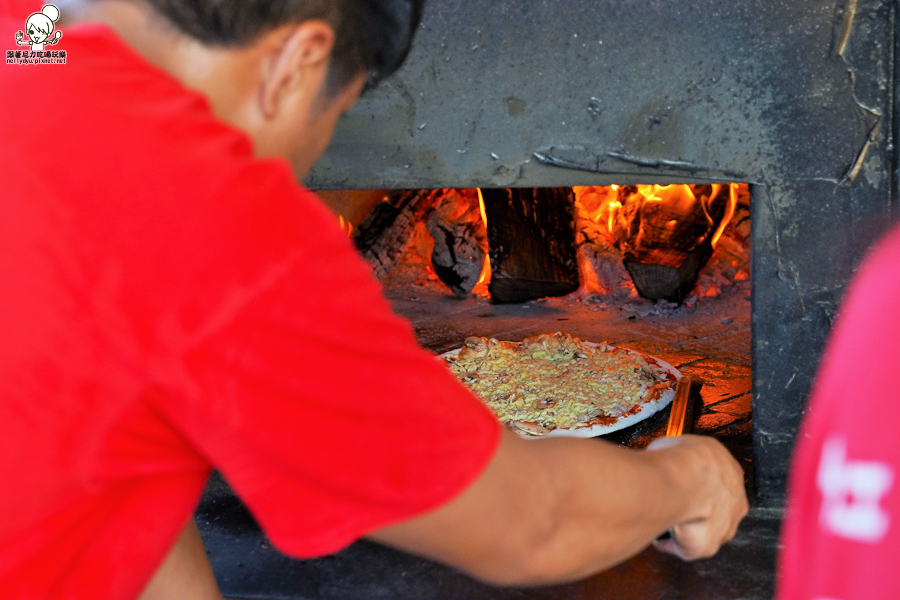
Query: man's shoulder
point(109, 130)
point(142, 182)
point(111, 103)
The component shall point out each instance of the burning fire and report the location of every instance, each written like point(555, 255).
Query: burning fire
point(346, 226)
point(616, 228)
point(729, 212)
point(638, 221)
point(604, 205)
point(481, 288)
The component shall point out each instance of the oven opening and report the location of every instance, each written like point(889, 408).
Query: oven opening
point(660, 269)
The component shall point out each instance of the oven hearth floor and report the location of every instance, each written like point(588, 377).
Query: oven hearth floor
point(247, 567)
point(711, 342)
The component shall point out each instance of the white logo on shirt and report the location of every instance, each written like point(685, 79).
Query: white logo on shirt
point(851, 494)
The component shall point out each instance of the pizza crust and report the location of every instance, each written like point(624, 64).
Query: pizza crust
point(639, 412)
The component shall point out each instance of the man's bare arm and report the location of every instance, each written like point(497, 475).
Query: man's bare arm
point(185, 573)
point(554, 510)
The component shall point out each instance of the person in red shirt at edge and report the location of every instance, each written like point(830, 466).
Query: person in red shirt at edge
point(172, 301)
point(841, 537)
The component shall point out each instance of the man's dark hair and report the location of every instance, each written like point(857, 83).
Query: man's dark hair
point(371, 36)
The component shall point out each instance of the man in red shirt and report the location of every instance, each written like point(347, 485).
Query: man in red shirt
point(842, 529)
point(172, 300)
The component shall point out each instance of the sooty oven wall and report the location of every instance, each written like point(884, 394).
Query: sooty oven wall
point(793, 97)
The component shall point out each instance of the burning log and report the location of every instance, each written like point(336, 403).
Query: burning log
point(669, 275)
point(669, 234)
point(531, 240)
point(460, 240)
point(600, 259)
point(385, 233)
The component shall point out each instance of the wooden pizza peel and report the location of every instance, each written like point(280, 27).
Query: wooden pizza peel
point(683, 415)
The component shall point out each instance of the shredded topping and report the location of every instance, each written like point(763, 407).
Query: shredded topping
point(556, 380)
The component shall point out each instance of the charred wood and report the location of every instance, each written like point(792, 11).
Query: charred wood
point(385, 233)
point(669, 275)
point(669, 242)
point(531, 240)
point(460, 240)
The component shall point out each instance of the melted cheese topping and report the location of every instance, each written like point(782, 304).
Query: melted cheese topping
point(551, 381)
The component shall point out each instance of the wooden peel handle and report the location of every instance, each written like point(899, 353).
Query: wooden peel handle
point(681, 419)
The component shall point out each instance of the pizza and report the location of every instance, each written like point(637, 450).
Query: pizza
point(556, 384)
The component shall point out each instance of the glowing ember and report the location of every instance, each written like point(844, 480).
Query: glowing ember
point(590, 280)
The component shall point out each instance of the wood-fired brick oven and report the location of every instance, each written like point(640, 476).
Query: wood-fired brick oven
point(795, 98)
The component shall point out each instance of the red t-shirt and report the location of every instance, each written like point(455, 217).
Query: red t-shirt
point(169, 303)
point(842, 528)
point(17, 10)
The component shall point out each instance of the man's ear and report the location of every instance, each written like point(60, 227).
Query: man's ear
point(298, 64)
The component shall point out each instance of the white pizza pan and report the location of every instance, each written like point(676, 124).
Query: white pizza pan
point(646, 411)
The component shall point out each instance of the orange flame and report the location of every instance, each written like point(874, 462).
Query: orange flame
point(681, 194)
point(590, 281)
point(602, 205)
point(345, 225)
point(729, 212)
point(485, 277)
point(599, 204)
